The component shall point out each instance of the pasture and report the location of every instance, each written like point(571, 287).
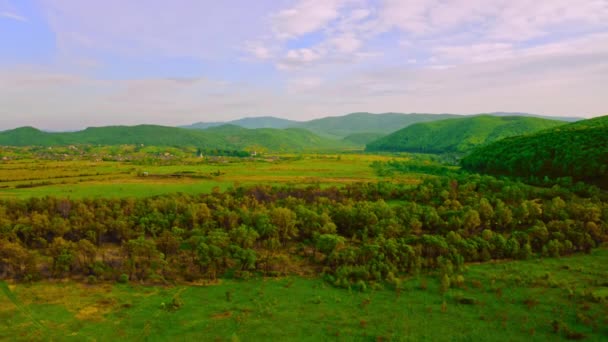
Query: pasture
point(536, 300)
point(24, 178)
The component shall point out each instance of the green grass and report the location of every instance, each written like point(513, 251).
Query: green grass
point(77, 179)
point(513, 301)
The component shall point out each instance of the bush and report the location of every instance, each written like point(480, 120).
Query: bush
point(176, 302)
point(123, 279)
point(92, 279)
point(466, 301)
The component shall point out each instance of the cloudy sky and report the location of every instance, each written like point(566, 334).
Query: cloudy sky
point(69, 64)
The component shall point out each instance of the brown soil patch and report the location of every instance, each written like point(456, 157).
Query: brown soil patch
point(222, 315)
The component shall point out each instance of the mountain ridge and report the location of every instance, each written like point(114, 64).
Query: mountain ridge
point(339, 127)
point(221, 137)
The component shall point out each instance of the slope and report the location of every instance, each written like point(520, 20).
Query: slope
point(578, 150)
point(458, 135)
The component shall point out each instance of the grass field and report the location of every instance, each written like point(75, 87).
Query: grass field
point(76, 179)
point(536, 300)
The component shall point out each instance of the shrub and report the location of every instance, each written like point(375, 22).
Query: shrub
point(123, 279)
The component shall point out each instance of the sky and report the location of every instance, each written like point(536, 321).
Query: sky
point(71, 64)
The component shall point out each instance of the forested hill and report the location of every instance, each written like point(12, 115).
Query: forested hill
point(335, 127)
point(578, 150)
point(342, 126)
point(459, 135)
point(223, 137)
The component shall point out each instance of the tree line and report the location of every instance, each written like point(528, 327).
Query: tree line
point(353, 235)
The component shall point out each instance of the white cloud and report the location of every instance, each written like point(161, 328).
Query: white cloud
point(346, 43)
point(510, 20)
point(12, 15)
point(258, 51)
point(299, 57)
point(305, 17)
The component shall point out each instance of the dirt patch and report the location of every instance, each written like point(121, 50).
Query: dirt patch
point(222, 315)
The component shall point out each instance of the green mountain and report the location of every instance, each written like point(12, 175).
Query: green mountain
point(254, 122)
point(335, 127)
point(221, 137)
point(458, 135)
point(578, 150)
point(23, 135)
point(338, 127)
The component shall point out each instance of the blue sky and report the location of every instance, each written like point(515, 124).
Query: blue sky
point(69, 64)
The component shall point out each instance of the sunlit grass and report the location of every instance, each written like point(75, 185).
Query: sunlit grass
point(512, 301)
point(76, 179)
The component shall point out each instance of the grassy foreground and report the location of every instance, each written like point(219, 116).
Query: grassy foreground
point(536, 300)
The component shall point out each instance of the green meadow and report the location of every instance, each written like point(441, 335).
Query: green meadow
point(23, 178)
point(535, 300)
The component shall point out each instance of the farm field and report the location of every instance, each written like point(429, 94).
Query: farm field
point(25, 178)
point(534, 300)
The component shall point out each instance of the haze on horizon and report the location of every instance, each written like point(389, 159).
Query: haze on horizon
point(69, 64)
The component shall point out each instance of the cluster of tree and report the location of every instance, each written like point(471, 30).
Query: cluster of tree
point(421, 165)
point(219, 152)
point(577, 151)
point(354, 235)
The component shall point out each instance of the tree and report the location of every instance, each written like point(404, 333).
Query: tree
point(16, 261)
point(285, 221)
point(486, 212)
point(327, 243)
point(63, 254)
point(471, 221)
point(143, 259)
point(86, 252)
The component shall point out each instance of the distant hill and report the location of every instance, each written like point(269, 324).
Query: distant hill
point(335, 127)
point(559, 118)
point(578, 150)
point(458, 135)
point(24, 135)
point(254, 122)
point(340, 127)
point(362, 139)
point(221, 137)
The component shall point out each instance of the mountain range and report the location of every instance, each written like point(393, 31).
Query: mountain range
point(221, 137)
point(339, 127)
point(352, 131)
